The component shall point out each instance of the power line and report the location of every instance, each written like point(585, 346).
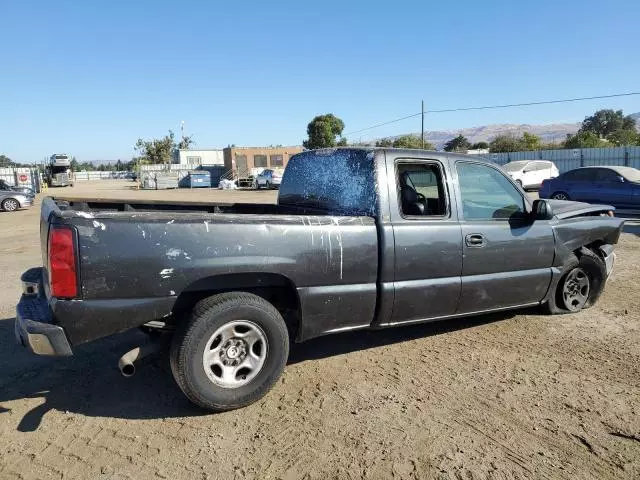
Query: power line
point(491, 107)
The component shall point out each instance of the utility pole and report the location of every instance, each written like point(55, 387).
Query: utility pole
point(422, 136)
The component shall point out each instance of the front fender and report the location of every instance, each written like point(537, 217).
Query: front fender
point(574, 233)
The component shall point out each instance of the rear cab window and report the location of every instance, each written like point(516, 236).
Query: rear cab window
point(421, 188)
point(338, 181)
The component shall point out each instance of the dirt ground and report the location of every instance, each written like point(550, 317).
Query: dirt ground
point(516, 395)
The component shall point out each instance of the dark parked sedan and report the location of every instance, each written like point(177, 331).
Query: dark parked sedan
point(617, 186)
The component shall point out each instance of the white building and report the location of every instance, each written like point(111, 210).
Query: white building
point(194, 158)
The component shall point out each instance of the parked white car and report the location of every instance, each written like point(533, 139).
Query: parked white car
point(531, 173)
point(268, 179)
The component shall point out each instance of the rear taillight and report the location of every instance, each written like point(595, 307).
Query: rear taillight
point(62, 263)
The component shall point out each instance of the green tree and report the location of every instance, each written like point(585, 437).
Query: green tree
point(5, 161)
point(607, 121)
point(185, 142)
point(457, 144)
point(160, 150)
point(531, 141)
point(384, 142)
point(411, 141)
point(323, 131)
point(479, 146)
point(75, 166)
point(624, 138)
point(585, 139)
point(506, 143)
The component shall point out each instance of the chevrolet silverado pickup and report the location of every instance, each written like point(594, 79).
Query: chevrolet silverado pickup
point(360, 238)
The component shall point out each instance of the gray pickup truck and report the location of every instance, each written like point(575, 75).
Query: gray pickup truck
point(359, 239)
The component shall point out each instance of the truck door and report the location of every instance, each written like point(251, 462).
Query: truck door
point(428, 241)
point(507, 258)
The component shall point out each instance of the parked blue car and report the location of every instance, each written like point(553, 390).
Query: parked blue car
point(617, 186)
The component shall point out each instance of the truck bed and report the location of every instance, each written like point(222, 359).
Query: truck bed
point(147, 254)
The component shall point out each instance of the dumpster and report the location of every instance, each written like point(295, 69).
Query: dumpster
point(199, 179)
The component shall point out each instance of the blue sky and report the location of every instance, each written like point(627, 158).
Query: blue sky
point(89, 78)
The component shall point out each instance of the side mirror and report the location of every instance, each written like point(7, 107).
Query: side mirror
point(541, 210)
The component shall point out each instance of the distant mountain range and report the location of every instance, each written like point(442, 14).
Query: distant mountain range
point(554, 132)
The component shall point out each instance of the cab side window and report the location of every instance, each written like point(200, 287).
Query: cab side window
point(487, 194)
point(421, 189)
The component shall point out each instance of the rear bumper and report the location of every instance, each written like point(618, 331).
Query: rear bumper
point(34, 327)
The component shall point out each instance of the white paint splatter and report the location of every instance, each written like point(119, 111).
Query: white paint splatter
point(170, 222)
point(166, 272)
point(206, 224)
point(171, 292)
point(99, 225)
point(144, 234)
point(174, 252)
point(85, 214)
point(334, 228)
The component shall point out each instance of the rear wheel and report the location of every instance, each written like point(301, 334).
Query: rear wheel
point(10, 205)
point(230, 352)
point(560, 196)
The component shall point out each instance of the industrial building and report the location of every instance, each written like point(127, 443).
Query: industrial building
point(244, 162)
point(195, 158)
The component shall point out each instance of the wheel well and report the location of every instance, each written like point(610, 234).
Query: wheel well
point(594, 247)
point(274, 288)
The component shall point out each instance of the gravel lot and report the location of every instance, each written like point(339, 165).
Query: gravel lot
point(515, 395)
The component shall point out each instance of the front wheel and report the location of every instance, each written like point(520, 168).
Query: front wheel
point(560, 196)
point(580, 285)
point(230, 351)
point(10, 205)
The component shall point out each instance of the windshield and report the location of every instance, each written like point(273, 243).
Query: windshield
point(515, 166)
point(629, 173)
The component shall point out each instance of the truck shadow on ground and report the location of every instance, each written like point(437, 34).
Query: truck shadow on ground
point(89, 383)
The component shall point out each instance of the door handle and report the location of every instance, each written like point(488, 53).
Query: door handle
point(475, 240)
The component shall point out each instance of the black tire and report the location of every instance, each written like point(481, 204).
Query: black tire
point(268, 185)
point(191, 338)
point(596, 272)
point(10, 205)
point(560, 196)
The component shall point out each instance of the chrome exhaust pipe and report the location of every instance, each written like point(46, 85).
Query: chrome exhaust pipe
point(126, 364)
